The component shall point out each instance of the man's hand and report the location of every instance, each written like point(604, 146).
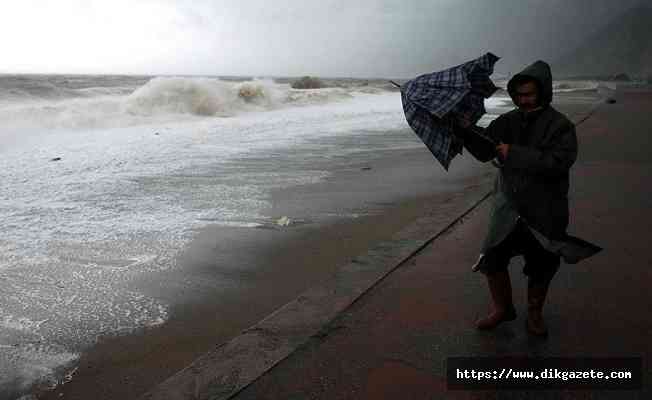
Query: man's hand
point(502, 149)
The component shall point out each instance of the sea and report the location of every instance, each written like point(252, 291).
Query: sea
point(108, 178)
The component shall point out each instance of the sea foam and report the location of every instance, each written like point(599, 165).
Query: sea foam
point(121, 202)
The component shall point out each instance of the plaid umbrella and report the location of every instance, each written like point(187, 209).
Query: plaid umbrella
point(434, 102)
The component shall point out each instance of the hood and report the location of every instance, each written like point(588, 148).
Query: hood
point(540, 72)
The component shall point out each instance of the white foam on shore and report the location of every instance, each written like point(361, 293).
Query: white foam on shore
point(574, 86)
point(124, 201)
point(32, 363)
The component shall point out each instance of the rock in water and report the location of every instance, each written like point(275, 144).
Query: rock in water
point(622, 77)
point(308, 82)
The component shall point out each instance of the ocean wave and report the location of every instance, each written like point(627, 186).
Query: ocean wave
point(214, 97)
point(35, 90)
point(161, 99)
point(574, 86)
point(30, 88)
point(99, 91)
point(562, 86)
point(202, 97)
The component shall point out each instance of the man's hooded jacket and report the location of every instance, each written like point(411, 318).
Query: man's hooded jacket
point(532, 183)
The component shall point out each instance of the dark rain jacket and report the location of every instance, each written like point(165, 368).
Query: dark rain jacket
point(533, 181)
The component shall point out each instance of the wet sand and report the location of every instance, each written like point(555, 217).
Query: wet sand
point(230, 278)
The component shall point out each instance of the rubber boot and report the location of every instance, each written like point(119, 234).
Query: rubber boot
point(501, 294)
point(536, 296)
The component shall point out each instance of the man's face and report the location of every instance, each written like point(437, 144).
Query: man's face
point(526, 96)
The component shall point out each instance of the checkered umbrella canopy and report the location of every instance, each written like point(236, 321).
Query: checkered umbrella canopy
point(433, 103)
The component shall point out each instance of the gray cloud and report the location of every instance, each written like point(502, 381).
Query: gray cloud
point(390, 38)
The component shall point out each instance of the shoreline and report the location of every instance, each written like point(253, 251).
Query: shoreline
point(270, 268)
point(128, 366)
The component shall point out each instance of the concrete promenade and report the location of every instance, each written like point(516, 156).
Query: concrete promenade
point(393, 341)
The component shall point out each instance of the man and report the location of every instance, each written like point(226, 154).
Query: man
point(536, 147)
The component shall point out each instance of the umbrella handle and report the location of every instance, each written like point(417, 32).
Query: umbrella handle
point(395, 84)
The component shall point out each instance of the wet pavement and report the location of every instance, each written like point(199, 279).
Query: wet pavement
point(393, 341)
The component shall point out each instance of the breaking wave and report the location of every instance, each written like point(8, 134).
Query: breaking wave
point(40, 105)
point(200, 96)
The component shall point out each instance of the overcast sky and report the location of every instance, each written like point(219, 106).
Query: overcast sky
point(360, 38)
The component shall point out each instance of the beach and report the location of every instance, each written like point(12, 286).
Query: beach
point(269, 267)
point(130, 199)
point(232, 277)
